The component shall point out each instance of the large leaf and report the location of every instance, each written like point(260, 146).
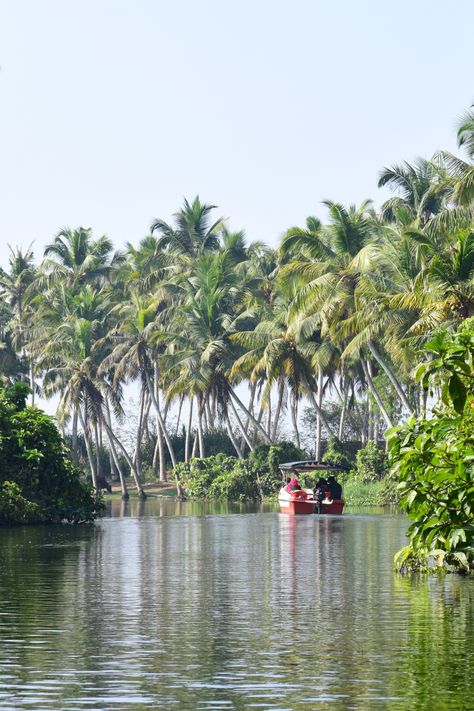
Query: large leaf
point(457, 392)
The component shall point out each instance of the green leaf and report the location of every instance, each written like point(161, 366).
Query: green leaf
point(457, 392)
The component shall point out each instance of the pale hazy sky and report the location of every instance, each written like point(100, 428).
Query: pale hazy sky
point(112, 111)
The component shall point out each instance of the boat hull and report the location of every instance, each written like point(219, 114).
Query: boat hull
point(295, 505)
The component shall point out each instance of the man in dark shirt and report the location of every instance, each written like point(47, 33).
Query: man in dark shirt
point(335, 488)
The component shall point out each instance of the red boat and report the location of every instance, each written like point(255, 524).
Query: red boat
point(302, 501)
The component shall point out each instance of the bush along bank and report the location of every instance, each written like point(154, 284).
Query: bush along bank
point(434, 461)
point(38, 482)
point(226, 477)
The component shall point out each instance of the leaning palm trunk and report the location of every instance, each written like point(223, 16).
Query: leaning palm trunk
point(281, 393)
point(294, 419)
point(75, 418)
point(232, 438)
point(269, 414)
point(159, 416)
point(319, 412)
point(343, 416)
point(241, 426)
point(178, 419)
point(253, 388)
point(138, 445)
point(252, 418)
point(188, 431)
point(129, 460)
point(200, 434)
point(318, 415)
point(97, 450)
point(391, 376)
point(374, 393)
point(90, 454)
point(113, 452)
point(32, 382)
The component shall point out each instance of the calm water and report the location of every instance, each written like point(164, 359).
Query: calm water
point(218, 608)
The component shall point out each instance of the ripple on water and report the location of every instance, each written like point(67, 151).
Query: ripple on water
point(231, 611)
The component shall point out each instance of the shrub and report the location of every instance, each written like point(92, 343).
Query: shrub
point(337, 453)
point(227, 477)
point(14, 507)
point(371, 463)
point(46, 485)
point(434, 460)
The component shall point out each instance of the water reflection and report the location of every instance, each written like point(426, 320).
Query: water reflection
point(227, 611)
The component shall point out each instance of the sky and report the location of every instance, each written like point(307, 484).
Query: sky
point(112, 112)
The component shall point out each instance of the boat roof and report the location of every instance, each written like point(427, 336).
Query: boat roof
point(308, 465)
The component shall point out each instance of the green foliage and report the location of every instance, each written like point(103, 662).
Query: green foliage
point(371, 463)
point(375, 493)
point(337, 453)
point(434, 462)
point(38, 481)
point(225, 477)
point(14, 507)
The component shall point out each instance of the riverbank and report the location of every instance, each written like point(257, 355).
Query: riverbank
point(378, 493)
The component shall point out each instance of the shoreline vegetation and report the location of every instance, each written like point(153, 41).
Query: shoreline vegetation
point(237, 346)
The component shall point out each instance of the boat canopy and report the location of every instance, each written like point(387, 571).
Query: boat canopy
point(309, 465)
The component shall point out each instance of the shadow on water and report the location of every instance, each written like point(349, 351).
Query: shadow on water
point(197, 606)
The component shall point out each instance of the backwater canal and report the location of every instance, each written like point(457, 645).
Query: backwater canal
point(205, 607)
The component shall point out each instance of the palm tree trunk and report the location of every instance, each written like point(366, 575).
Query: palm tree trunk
point(252, 418)
point(74, 434)
point(32, 382)
point(232, 438)
point(161, 451)
point(187, 441)
point(269, 414)
point(90, 455)
point(375, 395)
point(281, 393)
point(317, 455)
point(200, 434)
point(253, 389)
point(369, 413)
point(159, 416)
point(97, 450)
point(181, 400)
point(209, 418)
point(242, 428)
point(391, 376)
point(130, 462)
point(113, 451)
point(343, 416)
point(319, 411)
point(294, 419)
point(138, 445)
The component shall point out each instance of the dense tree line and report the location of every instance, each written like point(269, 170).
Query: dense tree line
point(336, 316)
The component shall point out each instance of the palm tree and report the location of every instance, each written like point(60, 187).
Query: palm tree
point(16, 287)
point(194, 234)
point(75, 258)
point(423, 189)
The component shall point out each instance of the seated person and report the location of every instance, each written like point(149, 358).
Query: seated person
point(292, 484)
point(335, 488)
point(319, 492)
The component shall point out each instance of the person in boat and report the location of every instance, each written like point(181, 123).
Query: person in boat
point(319, 493)
point(292, 484)
point(335, 488)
